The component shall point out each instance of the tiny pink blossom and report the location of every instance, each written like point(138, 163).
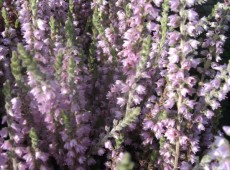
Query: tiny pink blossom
point(41, 24)
point(140, 89)
point(121, 101)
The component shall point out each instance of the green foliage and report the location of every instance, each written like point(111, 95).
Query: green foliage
point(16, 66)
point(7, 90)
point(34, 138)
point(164, 22)
point(5, 16)
point(97, 22)
point(126, 121)
point(66, 120)
point(71, 6)
point(130, 118)
point(162, 115)
point(33, 6)
point(58, 64)
point(71, 69)
point(16, 24)
point(119, 140)
point(125, 163)
point(128, 10)
point(153, 156)
point(52, 26)
point(161, 142)
point(24, 55)
point(70, 32)
point(146, 45)
point(29, 62)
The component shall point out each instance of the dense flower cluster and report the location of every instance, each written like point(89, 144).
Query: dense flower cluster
point(110, 84)
point(218, 156)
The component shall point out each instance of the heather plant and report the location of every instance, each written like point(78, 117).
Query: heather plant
point(218, 155)
point(113, 84)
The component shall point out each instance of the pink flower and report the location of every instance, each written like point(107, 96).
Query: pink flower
point(22, 166)
point(42, 156)
point(28, 157)
point(121, 101)
point(73, 143)
point(160, 83)
point(214, 104)
point(38, 34)
point(194, 43)
point(140, 89)
point(171, 135)
point(194, 145)
point(216, 83)
point(190, 103)
point(173, 56)
point(221, 95)
point(41, 24)
point(180, 75)
point(226, 163)
point(148, 124)
point(209, 114)
point(108, 145)
point(226, 88)
point(200, 127)
point(137, 99)
point(192, 15)
point(71, 154)
point(38, 45)
point(6, 145)
point(173, 37)
point(3, 132)
point(169, 103)
point(183, 109)
point(158, 2)
point(187, 48)
point(174, 21)
point(183, 140)
point(151, 26)
point(184, 92)
point(185, 166)
point(174, 4)
point(190, 29)
point(81, 160)
point(195, 62)
point(191, 81)
point(190, 2)
point(101, 152)
point(121, 15)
